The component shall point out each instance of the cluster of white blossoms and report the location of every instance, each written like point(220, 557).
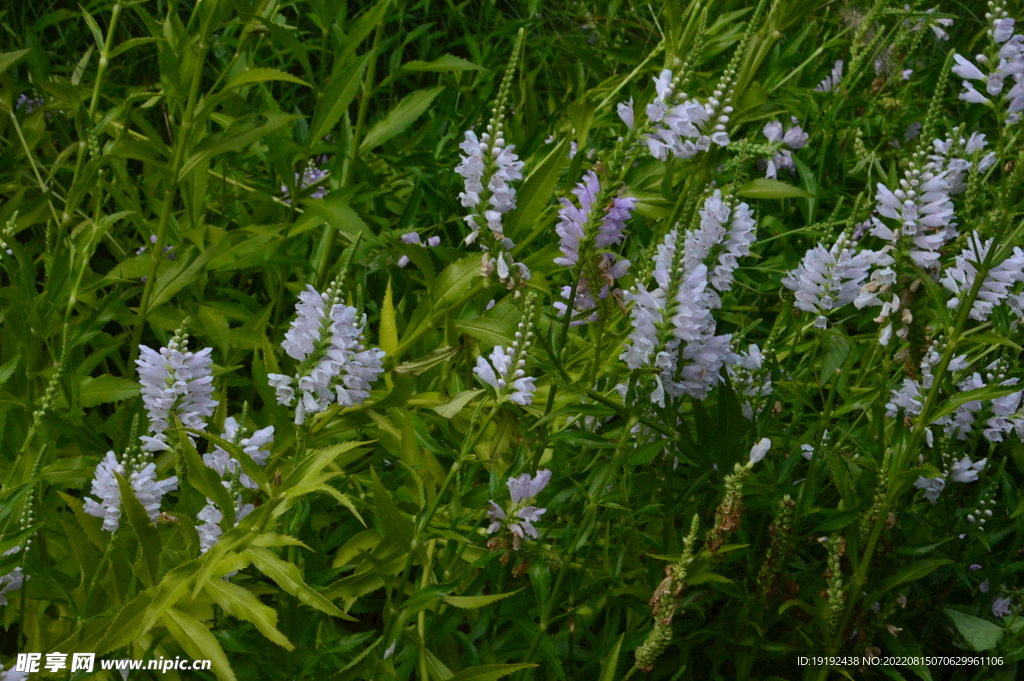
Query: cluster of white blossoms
point(521, 515)
point(255, 446)
point(148, 490)
point(506, 370)
point(995, 289)
point(948, 156)
point(327, 339)
point(750, 378)
point(682, 125)
point(678, 311)
point(826, 280)
point(175, 381)
point(1005, 60)
point(489, 168)
point(210, 531)
point(792, 139)
point(962, 471)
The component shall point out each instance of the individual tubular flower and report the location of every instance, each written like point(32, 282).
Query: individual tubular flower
point(826, 280)
point(521, 514)
point(759, 450)
point(310, 176)
point(832, 80)
point(581, 235)
point(175, 381)
point(794, 138)
point(489, 167)
point(506, 370)
point(414, 238)
point(960, 278)
point(327, 339)
point(1008, 417)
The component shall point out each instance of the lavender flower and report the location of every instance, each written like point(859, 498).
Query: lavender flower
point(1001, 607)
point(932, 487)
point(832, 80)
point(994, 290)
point(310, 176)
point(210, 531)
point(794, 138)
point(254, 445)
point(505, 372)
point(148, 490)
point(1008, 416)
point(521, 514)
point(12, 581)
point(489, 168)
point(679, 311)
point(826, 280)
point(29, 104)
point(576, 230)
point(175, 381)
point(1005, 61)
point(966, 471)
point(327, 339)
point(684, 126)
point(750, 378)
point(758, 451)
point(414, 238)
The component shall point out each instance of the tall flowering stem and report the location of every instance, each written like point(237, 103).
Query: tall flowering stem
point(489, 167)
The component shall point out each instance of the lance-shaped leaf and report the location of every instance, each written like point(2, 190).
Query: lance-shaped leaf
point(287, 576)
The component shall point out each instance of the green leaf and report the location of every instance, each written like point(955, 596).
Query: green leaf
point(287, 576)
point(338, 214)
point(980, 634)
point(261, 75)
point(129, 45)
point(9, 59)
point(242, 604)
point(315, 462)
point(473, 602)
point(489, 672)
point(452, 407)
point(396, 526)
point(198, 641)
point(835, 349)
point(581, 115)
point(341, 89)
point(399, 118)
point(536, 193)
point(149, 538)
point(914, 571)
point(956, 401)
point(446, 62)
point(103, 389)
point(238, 136)
point(388, 325)
point(762, 188)
point(438, 670)
point(416, 367)
point(204, 478)
point(611, 662)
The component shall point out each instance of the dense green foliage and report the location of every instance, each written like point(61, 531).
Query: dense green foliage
point(150, 154)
